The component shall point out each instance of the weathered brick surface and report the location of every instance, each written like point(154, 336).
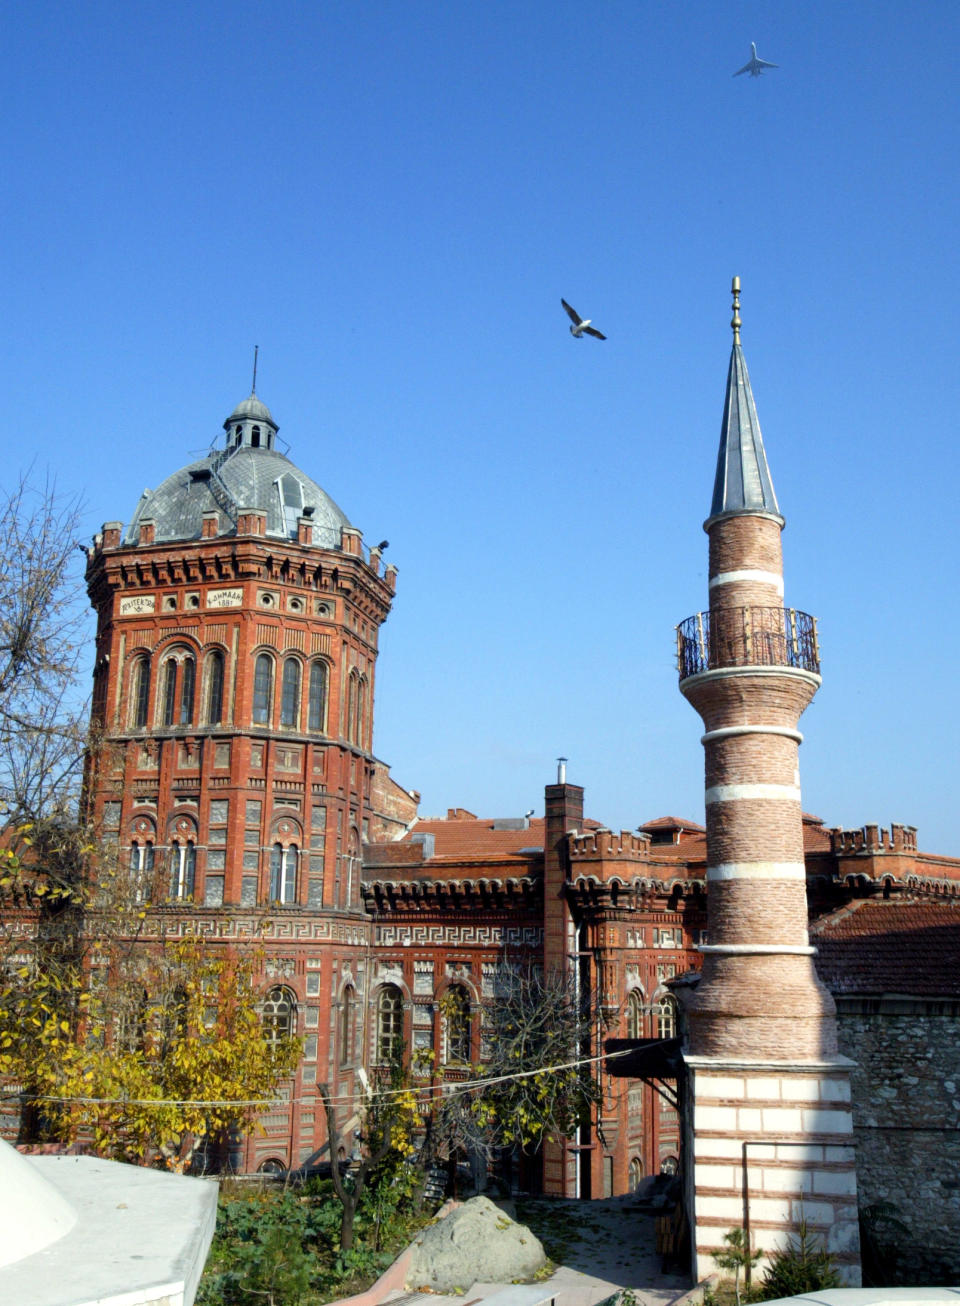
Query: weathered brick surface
point(752, 696)
point(751, 911)
point(754, 830)
point(751, 759)
point(738, 543)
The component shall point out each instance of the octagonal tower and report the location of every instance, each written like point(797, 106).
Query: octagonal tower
point(237, 629)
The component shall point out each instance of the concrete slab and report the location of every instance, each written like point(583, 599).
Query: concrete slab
point(141, 1238)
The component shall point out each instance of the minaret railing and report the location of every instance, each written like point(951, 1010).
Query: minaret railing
point(747, 637)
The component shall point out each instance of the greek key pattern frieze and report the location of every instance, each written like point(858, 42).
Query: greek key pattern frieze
point(462, 936)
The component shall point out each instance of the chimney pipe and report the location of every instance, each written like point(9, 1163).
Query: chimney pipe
point(561, 770)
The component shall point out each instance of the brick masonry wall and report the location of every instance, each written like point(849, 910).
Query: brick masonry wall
point(791, 1133)
point(906, 1113)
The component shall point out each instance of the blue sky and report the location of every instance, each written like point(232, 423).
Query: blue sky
point(390, 200)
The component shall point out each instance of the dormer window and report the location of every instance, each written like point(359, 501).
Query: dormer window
point(291, 503)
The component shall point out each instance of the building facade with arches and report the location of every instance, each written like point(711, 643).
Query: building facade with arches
point(236, 647)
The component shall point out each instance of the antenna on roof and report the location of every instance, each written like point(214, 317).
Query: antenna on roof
point(256, 351)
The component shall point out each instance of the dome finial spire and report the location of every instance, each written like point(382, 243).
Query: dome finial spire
point(256, 351)
point(735, 320)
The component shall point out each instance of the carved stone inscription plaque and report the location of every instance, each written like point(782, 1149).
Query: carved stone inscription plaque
point(231, 598)
point(136, 603)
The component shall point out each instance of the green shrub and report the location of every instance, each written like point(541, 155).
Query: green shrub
point(804, 1265)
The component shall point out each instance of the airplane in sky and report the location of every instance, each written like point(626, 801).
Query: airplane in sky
point(756, 66)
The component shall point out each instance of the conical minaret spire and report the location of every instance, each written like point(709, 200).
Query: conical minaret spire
point(743, 482)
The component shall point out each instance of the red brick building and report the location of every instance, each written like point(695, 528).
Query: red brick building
point(238, 618)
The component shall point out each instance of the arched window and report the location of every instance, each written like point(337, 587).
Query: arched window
point(458, 1023)
point(262, 689)
point(360, 735)
point(255, 437)
point(188, 679)
point(666, 1017)
point(290, 693)
point(635, 1014)
point(317, 696)
point(277, 1015)
point(353, 708)
point(635, 1174)
point(283, 873)
point(214, 689)
point(182, 863)
point(347, 1015)
point(389, 1024)
point(169, 692)
point(140, 695)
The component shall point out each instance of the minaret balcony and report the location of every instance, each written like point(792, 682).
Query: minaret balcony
point(747, 637)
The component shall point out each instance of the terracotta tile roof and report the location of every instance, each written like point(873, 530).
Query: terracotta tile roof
point(671, 823)
point(475, 837)
point(874, 947)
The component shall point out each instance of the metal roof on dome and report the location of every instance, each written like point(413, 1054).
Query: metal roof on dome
point(743, 483)
point(240, 476)
point(252, 409)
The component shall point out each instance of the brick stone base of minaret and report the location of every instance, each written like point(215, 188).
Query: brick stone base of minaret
point(769, 1145)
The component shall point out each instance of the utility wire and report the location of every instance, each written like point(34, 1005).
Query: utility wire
point(441, 1091)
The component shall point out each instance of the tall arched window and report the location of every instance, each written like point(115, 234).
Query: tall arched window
point(353, 705)
point(666, 1016)
point(317, 696)
point(458, 1023)
point(360, 735)
point(182, 863)
point(214, 688)
point(290, 693)
point(188, 680)
point(262, 689)
point(347, 1018)
point(140, 692)
point(389, 1024)
point(168, 690)
point(283, 873)
point(635, 1014)
point(277, 1015)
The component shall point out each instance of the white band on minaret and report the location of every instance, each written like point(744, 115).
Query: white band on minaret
point(731, 793)
point(748, 574)
point(728, 732)
point(757, 871)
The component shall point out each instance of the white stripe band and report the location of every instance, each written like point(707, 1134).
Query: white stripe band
point(757, 871)
point(731, 793)
point(730, 732)
point(760, 949)
point(749, 574)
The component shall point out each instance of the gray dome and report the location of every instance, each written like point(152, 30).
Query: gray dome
point(252, 409)
point(241, 476)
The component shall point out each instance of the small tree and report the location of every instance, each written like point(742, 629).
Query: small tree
point(737, 1256)
point(386, 1142)
point(804, 1265)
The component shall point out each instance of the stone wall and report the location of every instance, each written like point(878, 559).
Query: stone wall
point(906, 1112)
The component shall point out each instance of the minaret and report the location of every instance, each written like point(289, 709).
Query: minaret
point(769, 1128)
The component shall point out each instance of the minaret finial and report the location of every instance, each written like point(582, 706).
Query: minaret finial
point(735, 320)
point(256, 351)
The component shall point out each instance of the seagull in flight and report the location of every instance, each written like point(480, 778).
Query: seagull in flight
point(755, 66)
point(581, 324)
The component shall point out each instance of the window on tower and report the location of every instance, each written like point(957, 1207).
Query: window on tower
point(290, 693)
point(188, 677)
point(458, 1024)
point(215, 689)
point(283, 873)
point(262, 689)
point(317, 696)
point(635, 1014)
point(169, 692)
point(140, 696)
point(182, 865)
point(277, 1014)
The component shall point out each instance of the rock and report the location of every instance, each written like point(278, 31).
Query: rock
point(475, 1241)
